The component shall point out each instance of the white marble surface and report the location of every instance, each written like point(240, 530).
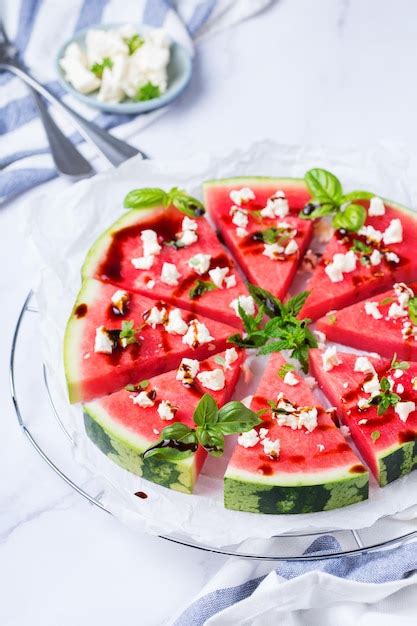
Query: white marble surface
point(339, 72)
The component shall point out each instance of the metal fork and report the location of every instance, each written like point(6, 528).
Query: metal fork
point(113, 150)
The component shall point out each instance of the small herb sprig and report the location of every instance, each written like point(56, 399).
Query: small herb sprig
point(98, 68)
point(149, 197)
point(385, 398)
point(201, 287)
point(127, 334)
point(328, 199)
point(134, 42)
point(148, 91)
point(178, 441)
point(412, 310)
point(283, 331)
point(399, 365)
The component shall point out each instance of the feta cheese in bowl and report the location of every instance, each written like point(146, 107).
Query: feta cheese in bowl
point(124, 69)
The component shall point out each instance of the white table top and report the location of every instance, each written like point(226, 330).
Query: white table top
point(330, 72)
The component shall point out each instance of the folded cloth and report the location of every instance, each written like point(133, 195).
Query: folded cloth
point(357, 589)
point(40, 27)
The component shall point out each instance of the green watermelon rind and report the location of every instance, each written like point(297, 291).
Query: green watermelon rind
point(305, 496)
point(397, 462)
point(255, 180)
point(126, 448)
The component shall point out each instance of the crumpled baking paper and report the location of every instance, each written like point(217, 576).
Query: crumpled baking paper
point(63, 228)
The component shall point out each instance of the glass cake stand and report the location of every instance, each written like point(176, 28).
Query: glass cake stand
point(46, 432)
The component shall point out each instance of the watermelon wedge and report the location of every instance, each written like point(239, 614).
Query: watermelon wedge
point(387, 442)
point(96, 361)
point(123, 429)
point(200, 276)
point(313, 469)
point(378, 265)
point(381, 324)
point(257, 218)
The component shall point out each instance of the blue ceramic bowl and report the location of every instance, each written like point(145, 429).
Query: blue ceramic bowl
point(179, 73)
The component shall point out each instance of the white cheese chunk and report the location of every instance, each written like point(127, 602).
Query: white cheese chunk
point(170, 274)
point(291, 247)
point(375, 258)
point(176, 325)
point(188, 370)
point(400, 388)
point(200, 263)
point(392, 257)
point(150, 284)
point(320, 447)
point(396, 311)
point(150, 242)
point(330, 359)
point(249, 439)
point(290, 379)
point(308, 419)
point(272, 250)
point(403, 409)
point(230, 356)
point(376, 207)
point(189, 224)
point(230, 281)
point(340, 264)
point(394, 232)
point(371, 308)
point(246, 302)
point(363, 404)
point(276, 206)
point(363, 364)
point(197, 334)
point(187, 238)
point(371, 233)
point(142, 399)
point(241, 232)
point(362, 421)
point(372, 386)
point(213, 379)
point(217, 276)
point(263, 432)
point(143, 262)
point(271, 448)
point(239, 217)
point(398, 373)
point(103, 343)
point(155, 316)
point(345, 430)
point(240, 196)
point(166, 410)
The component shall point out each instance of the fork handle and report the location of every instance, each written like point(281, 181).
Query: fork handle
point(68, 161)
point(113, 150)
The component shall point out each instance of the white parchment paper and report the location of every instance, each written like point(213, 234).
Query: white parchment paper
point(62, 229)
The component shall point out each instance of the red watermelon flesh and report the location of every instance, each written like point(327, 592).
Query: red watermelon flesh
point(110, 260)
point(354, 327)
point(275, 274)
point(387, 444)
point(123, 430)
point(309, 466)
point(93, 374)
point(366, 280)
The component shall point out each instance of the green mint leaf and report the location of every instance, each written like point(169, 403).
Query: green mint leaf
point(284, 369)
point(375, 435)
point(275, 346)
point(128, 332)
point(253, 341)
point(176, 442)
point(296, 303)
point(399, 365)
point(235, 417)
point(351, 218)
point(145, 198)
point(384, 383)
point(324, 186)
point(134, 42)
point(271, 306)
point(98, 68)
point(206, 412)
point(412, 310)
point(149, 91)
point(356, 195)
point(201, 287)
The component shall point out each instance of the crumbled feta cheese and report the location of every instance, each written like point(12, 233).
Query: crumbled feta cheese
point(166, 410)
point(187, 238)
point(142, 399)
point(371, 233)
point(345, 430)
point(391, 256)
point(363, 404)
point(217, 276)
point(320, 447)
point(330, 359)
point(188, 370)
point(396, 311)
point(394, 232)
point(103, 342)
point(376, 257)
point(176, 325)
point(403, 409)
point(155, 431)
point(403, 293)
point(371, 308)
point(321, 338)
point(363, 364)
point(239, 217)
point(376, 207)
point(246, 302)
point(197, 334)
point(143, 262)
point(263, 432)
point(271, 448)
point(249, 439)
point(230, 281)
point(345, 385)
point(398, 373)
point(276, 206)
point(290, 379)
point(400, 388)
point(230, 356)
point(119, 300)
point(272, 250)
point(310, 382)
point(150, 243)
point(308, 419)
point(241, 232)
point(155, 316)
point(189, 224)
point(170, 274)
point(240, 196)
point(291, 247)
point(372, 386)
point(213, 379)
point(362, 422)
point(200, 263)
point(150, 284)
point(341, 263)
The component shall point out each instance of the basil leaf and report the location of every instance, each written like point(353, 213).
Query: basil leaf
point(352, 218)
point(235, 417)
point(321, 210)
point(206, 411)
point(172, 439)
point(412, 310)
point(201, 287)
point(212, 440)
point(356, 195)
point(323, 186)
point(187, 204)
point(144, 198)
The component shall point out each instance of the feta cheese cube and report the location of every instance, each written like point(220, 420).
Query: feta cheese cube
point(176, 325)
point(200, 263)
point(150, 242)
point(239, 217)
point(230, 356)
point(330, 359)
point(240, 196)
point(150, 284)
point(246, 302)
point(170, 274)
point(213, 379)
point(392, 257)
point(187, 238)
point(197, 334)
point(230, 281)
point(403, 409)
point(291, 247)
point(375, 258)
point(103, 342)
point(308, 419)
point(363, 364)
point(371, 233)
point(241, 232)
point(341, 263)
point(249, 439)
point(396, 311)
point(217, 276)
point(143, 262)
point(376, 207)
point(400, 388)
point(290, 379)
point(166, 410)
point(271, 448)
point(188, 370)
point(272, 250)
point(155, 316)
point(189, 224)
point(142, 399)
point(372, 386)
point(394, 232)
point(371, 308)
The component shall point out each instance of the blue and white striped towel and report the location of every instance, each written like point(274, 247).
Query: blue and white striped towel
point(373, 588)
point(39, 27)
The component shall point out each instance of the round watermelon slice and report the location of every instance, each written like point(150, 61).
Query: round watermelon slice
point(123, 430)
point(314, 471)
point(113, 256)
point(368, 326)
point(387, 444)
point(268, 266)
point(92, 374)
point(366, 279)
